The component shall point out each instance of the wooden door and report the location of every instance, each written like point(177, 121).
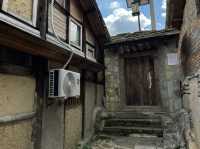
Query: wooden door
point(140, 81)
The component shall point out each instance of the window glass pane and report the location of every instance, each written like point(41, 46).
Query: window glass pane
point(21, 8)
point(75, 32)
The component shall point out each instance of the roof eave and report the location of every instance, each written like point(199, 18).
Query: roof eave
point(166, 35)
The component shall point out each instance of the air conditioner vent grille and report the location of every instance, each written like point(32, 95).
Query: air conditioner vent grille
point(63, 84)
point(51, 84)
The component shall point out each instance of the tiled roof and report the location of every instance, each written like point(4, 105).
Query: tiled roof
point(129, 37)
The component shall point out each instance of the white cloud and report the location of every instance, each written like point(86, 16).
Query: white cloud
point(121, 20)
point(164, 7)
point(164, 4)
point(114, 5)
point(163, 14)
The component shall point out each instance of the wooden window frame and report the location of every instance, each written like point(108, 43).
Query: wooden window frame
point(81, 34)
point(91, 48)
point(34, 12)
point(63, 6)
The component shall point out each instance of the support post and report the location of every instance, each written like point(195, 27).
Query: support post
point(152, 12)
point(139, 25)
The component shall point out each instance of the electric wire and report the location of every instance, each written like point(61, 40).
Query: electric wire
point(58, 38)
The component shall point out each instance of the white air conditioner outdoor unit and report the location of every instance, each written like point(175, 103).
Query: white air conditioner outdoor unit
point(63, 84)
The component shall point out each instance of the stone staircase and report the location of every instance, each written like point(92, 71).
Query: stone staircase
point(135, 125)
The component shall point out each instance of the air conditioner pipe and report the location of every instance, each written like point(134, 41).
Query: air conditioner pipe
point(58, 38)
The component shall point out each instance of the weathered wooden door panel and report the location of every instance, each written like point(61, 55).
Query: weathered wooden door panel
point(140, 82)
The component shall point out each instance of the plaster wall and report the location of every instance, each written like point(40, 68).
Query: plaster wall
point(20, 8)
point(73, 126)
point(17, 94)
point(16, 136)
point(16, 97)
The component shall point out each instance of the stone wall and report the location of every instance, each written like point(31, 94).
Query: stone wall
point(169, 76)
point(189, 44)
point(191, 102)
point(189, 49)
point(17, 95)
point(112, 78)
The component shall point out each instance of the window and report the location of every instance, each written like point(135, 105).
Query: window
point(90, 52)
point(23, 9)
point(75, 34)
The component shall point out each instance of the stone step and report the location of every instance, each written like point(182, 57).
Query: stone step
point(135, 115)
point(134, 122)
point(148, 141)
point(126, 131)
point(131, 142)
point(143, 108)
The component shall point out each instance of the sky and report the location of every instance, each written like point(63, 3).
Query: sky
point(119, 19)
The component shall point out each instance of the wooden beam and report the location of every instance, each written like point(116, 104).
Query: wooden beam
point(133, 48)
point(84, 34)
point(67, 7)
point(140, 46)
point(147, 45)
point(42, 18)
point(82, 97)
point(13, 38)
point(40, 67)
point(15, 69)
point(21, 41)
point(16, 118)
point(91, 10)
point(1, 3)
point(140, 54)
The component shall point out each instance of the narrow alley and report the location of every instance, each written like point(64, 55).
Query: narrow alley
point(99, 74)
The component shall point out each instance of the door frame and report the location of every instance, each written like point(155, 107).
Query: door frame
point(154, 56)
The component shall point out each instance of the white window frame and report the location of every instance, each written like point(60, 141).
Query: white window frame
point(34, 13)
point(81, 33)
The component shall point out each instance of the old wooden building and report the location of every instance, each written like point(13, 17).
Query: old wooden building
point(28, 50)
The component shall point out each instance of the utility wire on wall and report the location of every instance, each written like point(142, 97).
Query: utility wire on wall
point(58, 38)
